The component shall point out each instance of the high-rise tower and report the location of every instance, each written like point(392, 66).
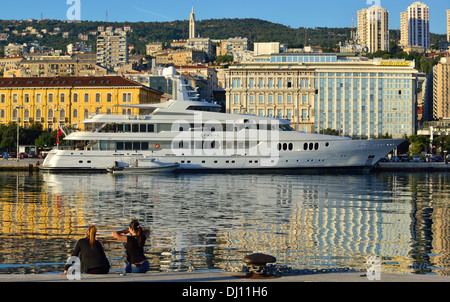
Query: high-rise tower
point(373, 28)
point(448, 25)
point(192, 25)
point(417, 19)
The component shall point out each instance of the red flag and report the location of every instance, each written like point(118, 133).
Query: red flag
point(58, 135)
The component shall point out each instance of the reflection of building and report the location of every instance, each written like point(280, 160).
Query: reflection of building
point(354, 95)
point(68, 100)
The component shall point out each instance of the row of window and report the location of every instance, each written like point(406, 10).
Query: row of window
point(62, 113)
point(270, 98)
point(126, 97)
point(144, 146)
point(271, 83)
point(279, 113)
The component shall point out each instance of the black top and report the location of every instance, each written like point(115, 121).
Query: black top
point(135, 253)
point(90, 257)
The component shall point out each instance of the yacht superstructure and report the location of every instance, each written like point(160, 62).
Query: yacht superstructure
point(197, 136)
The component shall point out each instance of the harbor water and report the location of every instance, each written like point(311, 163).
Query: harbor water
point(211, 221)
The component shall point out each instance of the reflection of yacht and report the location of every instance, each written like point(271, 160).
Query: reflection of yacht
point(197, 136)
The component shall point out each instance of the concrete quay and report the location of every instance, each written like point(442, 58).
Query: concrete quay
point(223, 277)
point(412, 166)
point(14, 164)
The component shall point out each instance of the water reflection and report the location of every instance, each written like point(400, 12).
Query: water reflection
point(204, 221)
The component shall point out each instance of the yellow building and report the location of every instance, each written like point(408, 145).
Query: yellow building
point(54, 101)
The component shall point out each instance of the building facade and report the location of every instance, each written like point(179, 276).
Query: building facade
point(373, 28)
point(112, 50)
point(417, 26)
point(54, 101)
point(356, 96)
point(270, 90)
point(448, 25)
point(441, 89)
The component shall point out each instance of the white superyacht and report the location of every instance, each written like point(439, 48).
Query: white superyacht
point(197, 136)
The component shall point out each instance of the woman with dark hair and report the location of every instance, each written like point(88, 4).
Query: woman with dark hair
point(91, 254)
point(134, 238)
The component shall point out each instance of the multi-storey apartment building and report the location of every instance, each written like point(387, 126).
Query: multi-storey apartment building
point(373, 28)
point(112, 50)
point(54, 101)
point(448, 25)
point(354, 95)
point(417, 26)
point(441, 89)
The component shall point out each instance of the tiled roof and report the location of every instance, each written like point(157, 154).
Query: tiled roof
point(36, 82)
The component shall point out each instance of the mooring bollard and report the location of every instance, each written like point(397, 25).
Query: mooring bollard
point(257, 263)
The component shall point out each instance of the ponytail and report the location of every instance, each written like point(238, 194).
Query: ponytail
point(91, 233)
point(134, 225)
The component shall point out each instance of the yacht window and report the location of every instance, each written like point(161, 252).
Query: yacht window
point(135, 128)
point(285, 128)
point(127, 128)
point(144, 146)
point(119, 146)
point(142, 128)
point(151, 128)
point(128, 146)
point(204, 108)
point(119, 127)
point(136, 145)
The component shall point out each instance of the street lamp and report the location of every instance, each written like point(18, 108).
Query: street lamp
point(18, 124)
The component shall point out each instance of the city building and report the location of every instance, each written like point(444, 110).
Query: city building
point(234, 47)
point(404, 29)
point(192, 30)
point(197, 42)
point(373, 28)
point(180, 57)
point(153, 48)
point(356, 96)
point(448, 25)
point(416, 26)
point(15, 50)
point(112, 50)
point(441, 89)
point(54, 101)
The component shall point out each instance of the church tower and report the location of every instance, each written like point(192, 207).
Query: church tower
point(192, 25)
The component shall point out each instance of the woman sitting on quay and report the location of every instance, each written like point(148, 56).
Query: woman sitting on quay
point(134, 238)
point(91, 254)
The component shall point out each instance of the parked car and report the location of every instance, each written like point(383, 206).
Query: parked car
point(416, 158)
point(23, 155)
point(404, 158)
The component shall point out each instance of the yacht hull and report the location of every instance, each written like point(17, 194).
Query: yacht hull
point(346, 154)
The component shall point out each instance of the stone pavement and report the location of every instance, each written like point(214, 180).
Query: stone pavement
point(221, 276)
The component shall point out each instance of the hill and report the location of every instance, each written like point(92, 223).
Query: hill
point(255, 30)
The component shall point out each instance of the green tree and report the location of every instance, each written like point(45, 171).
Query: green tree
point(418, 143)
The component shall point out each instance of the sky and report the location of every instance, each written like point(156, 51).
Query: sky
point(293, 13)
